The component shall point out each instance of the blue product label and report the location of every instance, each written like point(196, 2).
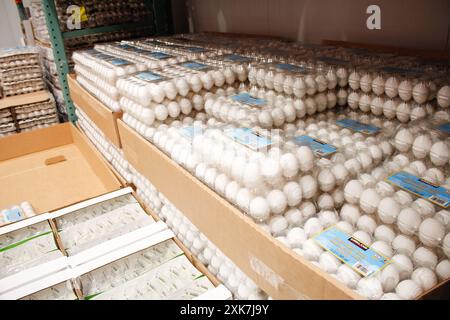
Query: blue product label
point(248, 138)
point(126, 47)
point(190, 132)
point(351, 251)
point(358, 126)
point(237, 58)
point(290, 67)
point(422, 188)
point(159, 55)
point(13, 215)
point(148, 76)
point(194, 65)
point(196, 49)
point(445, 128)
point(246, 98)
point(320, 149)
point(119, 62)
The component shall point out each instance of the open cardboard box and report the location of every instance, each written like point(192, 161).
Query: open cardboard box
point(51, 273)
point(51, 168)
point(275, 268)
point(103, 117)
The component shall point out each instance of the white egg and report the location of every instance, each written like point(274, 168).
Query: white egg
point(327, 218)
point(293, 193)
point(325, 202)
point(348, 276)
point(369, 201)
point(271, 170)
point(388, 210)
point(425, 278)
point(329, 263)
point(278, 226)
point(311, 250)
point(277, 201)
point(367, 224)
point(431, 232)
point(350, 213)
point(424, 257)
point(443, 216)
point(405, 90)
point(363, 236)
point(384, 233)
point(408, 290)
point(389, 278)
point(443, 96)
point(446, 245)
point(352, 191)
point(425, 208)
point(231, 190)
point(383, 248)
point(370, 288)
point(345, 227)
point(440, 153)
point(422, 146)
point(289, 165)
point(252, 176)
point(443, 270)
point(403, 198)
point(408, 221)
point(308, 209)
point(296, 237)
point(312, 227)
point(309, 186)
point(404, 140)
point(259, 208)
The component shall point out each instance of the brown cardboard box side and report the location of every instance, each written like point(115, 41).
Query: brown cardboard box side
point(104, 118)
point(233, 232)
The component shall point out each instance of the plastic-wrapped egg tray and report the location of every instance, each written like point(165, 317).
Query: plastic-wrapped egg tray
point(87, 227)
point(190, 51)
point(11, 76)
point(99, 94)
point(426, 140)
point(35, 110)
point(240, 64)
point(217, 263)
point(391, 108)
point(292, 79)
point(175, 279)
point(111, 153)
point(262, 107)
point(153, 59)
point(62, 291)
point(180, 79)
point(27, 247)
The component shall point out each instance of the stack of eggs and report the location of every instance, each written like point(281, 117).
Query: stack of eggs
point(20, 71)
point(99, 72)
point(36, 115)
point(7, 125)
point(111, 153)
point(264, 108)
point(425, 141)
point(226, 271)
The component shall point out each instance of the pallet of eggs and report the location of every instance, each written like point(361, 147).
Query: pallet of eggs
point(7, 124)
point(36, 115)
point(20, 71)
point(109, 151)
point(426, 140)
point(212, 257)
point(400, 225)
point(39, 24)
point(99, 73)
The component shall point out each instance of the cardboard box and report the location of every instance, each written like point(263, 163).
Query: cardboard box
point(103, 117)
point(52, 168)
point(274, 267)
point(33, 97)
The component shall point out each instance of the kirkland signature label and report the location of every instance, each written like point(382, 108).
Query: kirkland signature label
point(351, 251)
point(248, 138)
point(195, 65)
point(319, 148)
point(148, 76)
point(290, 67)
point(246, 98)
point(422, 188)
point(358, 126)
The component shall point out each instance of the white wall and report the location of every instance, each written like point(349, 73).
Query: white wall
point(10, 28)
point(422, 24)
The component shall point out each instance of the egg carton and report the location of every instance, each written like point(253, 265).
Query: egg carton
point(101, 85)
point(21, 73)
point(191, 51)
point(291, 79)
point(33, 122)
point(261, 107)
point(152, 59)
point(61, 291)
point(391, 108)
point(16, 213)
point(23, 87)
point(217, 263)
point(164, 282)
point(128, 268)
point(18, 57)
point(27, 252)
point(8, 127)
point(36, 127)
point(112, 154)
point(240, 64)
point(99, 94)
point(6, 120)
point(180, 79)
point(406, 84)
point(171, 109)
point(425, 140)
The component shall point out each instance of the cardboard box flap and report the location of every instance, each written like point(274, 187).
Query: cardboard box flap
point(33, 97)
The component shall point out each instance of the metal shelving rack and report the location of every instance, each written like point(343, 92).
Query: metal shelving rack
point(161, 24)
